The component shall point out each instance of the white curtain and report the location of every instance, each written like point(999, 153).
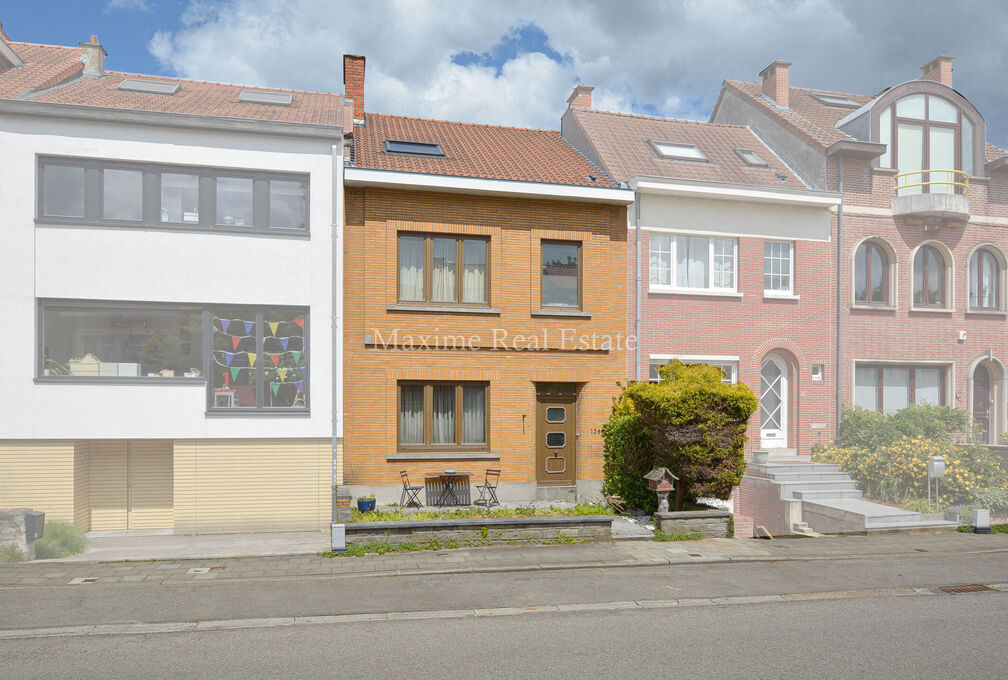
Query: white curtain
point(691, 261)
point(474, 263)
point(473, 415)
point(443, 422)
point(411, 268)
point(443, 275)
point(411, 415)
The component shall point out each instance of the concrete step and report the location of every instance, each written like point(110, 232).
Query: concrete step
point(788, 489)
point(858, 516)
point(801, 529)
point(556, 493)
point(807, 495)
point(801, 467)
point(809, 476)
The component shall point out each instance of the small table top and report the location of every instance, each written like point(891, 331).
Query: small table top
point(446, 473)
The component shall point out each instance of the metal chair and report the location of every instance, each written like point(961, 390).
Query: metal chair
point(488, 489)
point(410, 493)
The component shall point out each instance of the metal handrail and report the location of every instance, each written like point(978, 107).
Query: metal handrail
point(958, 174)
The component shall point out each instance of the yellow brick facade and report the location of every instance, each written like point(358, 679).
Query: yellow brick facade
point(515, 228)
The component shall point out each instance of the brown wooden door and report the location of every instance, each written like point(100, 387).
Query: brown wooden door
point(981, 402)
point(556, 440)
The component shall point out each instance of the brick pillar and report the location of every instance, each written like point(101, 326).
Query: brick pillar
point(776, 82)
point(353, 82)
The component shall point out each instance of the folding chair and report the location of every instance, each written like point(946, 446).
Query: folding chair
point(410, 494)
point(488, 489)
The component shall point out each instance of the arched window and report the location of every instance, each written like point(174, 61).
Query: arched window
point(871, 274)
point(928, 278)
point(984, 280)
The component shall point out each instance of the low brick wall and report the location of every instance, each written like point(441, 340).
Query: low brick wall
point(708, 523)
point(12, 531)
point(589, 528)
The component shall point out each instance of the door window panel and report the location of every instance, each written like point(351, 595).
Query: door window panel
point(556, 440)
point(556, 414)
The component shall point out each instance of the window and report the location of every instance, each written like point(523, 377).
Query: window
point(679, 152)
point(119, 193)
point(261, 97)
point(438, 415)
point(984, 280)
point(888, 389)
point(149, 86)
point(692, 262)
point(817, 372)
point(835, 99)
point(561, 274)
point(258, 358)
point(429, 270)
point(778, 268)
point(413, 148)
point(94, 340)
point(871, 274)
point(728, 368)
point(750, 157)
point(929, 278)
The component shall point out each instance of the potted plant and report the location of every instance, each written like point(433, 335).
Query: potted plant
point(366, 503)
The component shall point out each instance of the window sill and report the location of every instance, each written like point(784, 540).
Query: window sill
point(110, 380)
point(769, 295)
point(712, 292)
point(258, 413)
point(873, 308)
point(180, 227)
point(987, 312)
point(442, 310)
point(575, 313)
point(932, 310)
point(443, 455)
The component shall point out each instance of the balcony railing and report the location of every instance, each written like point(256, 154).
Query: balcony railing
point(932, 182)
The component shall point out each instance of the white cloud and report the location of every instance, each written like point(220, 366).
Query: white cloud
point(667, 59)
point(136, 5)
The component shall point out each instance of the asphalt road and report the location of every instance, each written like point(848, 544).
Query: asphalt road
point(953, 636)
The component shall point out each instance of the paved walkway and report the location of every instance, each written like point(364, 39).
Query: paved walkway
point(492, 559)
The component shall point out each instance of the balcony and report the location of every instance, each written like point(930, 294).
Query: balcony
point(934, 198)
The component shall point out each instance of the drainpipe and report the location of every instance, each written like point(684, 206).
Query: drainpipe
point(337, 312)
point(840, 301)
point(637, 284)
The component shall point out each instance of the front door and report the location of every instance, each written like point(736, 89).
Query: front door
point(556, 439)
point(981, 402)
point(773, 403)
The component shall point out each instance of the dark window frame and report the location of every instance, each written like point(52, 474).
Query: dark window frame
point(887, 266)
point(975, 278)
point(428, 286)
point(428, 410)
point(943, 370)
point(151, 196)
point(926, 124)
point(409, 148)
point(923, 253)
point(580, 274)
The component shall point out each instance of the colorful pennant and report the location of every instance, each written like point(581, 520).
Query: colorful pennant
point(273, 326)
point(252, 358)
point(248, 326)
point(300, 322)
point(225, 323)
point(236, 340)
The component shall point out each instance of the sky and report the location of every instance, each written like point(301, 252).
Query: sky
point(515, 62)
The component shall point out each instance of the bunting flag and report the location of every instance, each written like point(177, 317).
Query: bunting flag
point(236, 340)
point(252, 358)
point(297, 357)
point(228, 356)
point(275, 358)
point(300, 386)
point(283, 373)
point(275, 387)
point(234, 373)
point(300, 322)
point(273, 326)
point(283, 343)
point(225, 323)
point(248, 326)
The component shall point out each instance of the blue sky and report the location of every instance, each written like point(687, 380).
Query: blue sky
point(515, 63)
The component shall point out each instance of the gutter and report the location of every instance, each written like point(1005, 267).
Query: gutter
point(840, 302)
point(637, 284)
point(337, 314)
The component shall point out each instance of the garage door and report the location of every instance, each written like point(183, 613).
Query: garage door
point(130, 484)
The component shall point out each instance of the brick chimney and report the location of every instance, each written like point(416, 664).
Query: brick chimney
point(775, 82)
point(94, 57)
point(353, 83)
point(938, 69)
point(581, 97)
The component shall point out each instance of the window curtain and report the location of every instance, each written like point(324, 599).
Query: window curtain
point(411, 268)
point(443, 421)
point(473, 415)
point(691, 261)
point(411, 415)
point(661, 260)
point(443, 275)
point(474, 257)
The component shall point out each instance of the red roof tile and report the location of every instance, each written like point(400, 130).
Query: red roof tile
point(474, 150)
point(622, 143)
point(44, 66)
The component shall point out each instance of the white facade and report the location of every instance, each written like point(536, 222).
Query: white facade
point(137, 264)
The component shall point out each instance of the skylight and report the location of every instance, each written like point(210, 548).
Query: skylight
point(678, 151)
point(415, 148)
point(835, 99)
point(149, 86)
point(260, 97)
point(749, 157)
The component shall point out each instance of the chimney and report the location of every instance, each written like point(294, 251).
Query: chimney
point(353, 83)
point(938, 69)
point(94, 57)
point(775, 82)
point(580, 97)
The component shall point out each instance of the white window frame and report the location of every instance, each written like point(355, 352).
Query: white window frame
point(789, 292)
point(709, 289)
point(728, 364)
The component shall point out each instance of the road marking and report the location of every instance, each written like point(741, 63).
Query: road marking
point(331, 619)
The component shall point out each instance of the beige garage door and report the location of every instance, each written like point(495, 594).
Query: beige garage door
point(130, 484)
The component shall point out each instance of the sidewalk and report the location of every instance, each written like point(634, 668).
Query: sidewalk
point(491, 559)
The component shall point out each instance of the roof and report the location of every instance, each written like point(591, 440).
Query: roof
point(474, 150)
point(622, 143)
point(54, 74)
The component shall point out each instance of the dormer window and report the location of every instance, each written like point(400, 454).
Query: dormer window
point(413, 148)
point(835, 99)
point(679, 151)
point(750, 157)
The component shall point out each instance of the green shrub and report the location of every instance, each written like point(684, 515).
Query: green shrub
point(995, 500)
point(999, 528)
point(11, 553)
point(917, 505)
point(626, 449)
point(872, 430)
point(60, 539)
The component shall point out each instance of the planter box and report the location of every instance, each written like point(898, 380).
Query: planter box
point(591, 528)
point(708, 523)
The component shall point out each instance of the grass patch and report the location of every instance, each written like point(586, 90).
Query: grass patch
point(60, 539)
point(11, 553)
point(384, 547)
point(999, 528)
point(663, 537)
point(397, 515)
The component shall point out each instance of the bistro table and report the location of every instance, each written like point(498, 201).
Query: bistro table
point(448, 487)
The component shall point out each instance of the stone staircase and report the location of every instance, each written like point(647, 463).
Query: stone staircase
point(825, 500)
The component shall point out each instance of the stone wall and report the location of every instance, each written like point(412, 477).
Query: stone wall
point(12, 531)
point(708, 523)
point(591, 528)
